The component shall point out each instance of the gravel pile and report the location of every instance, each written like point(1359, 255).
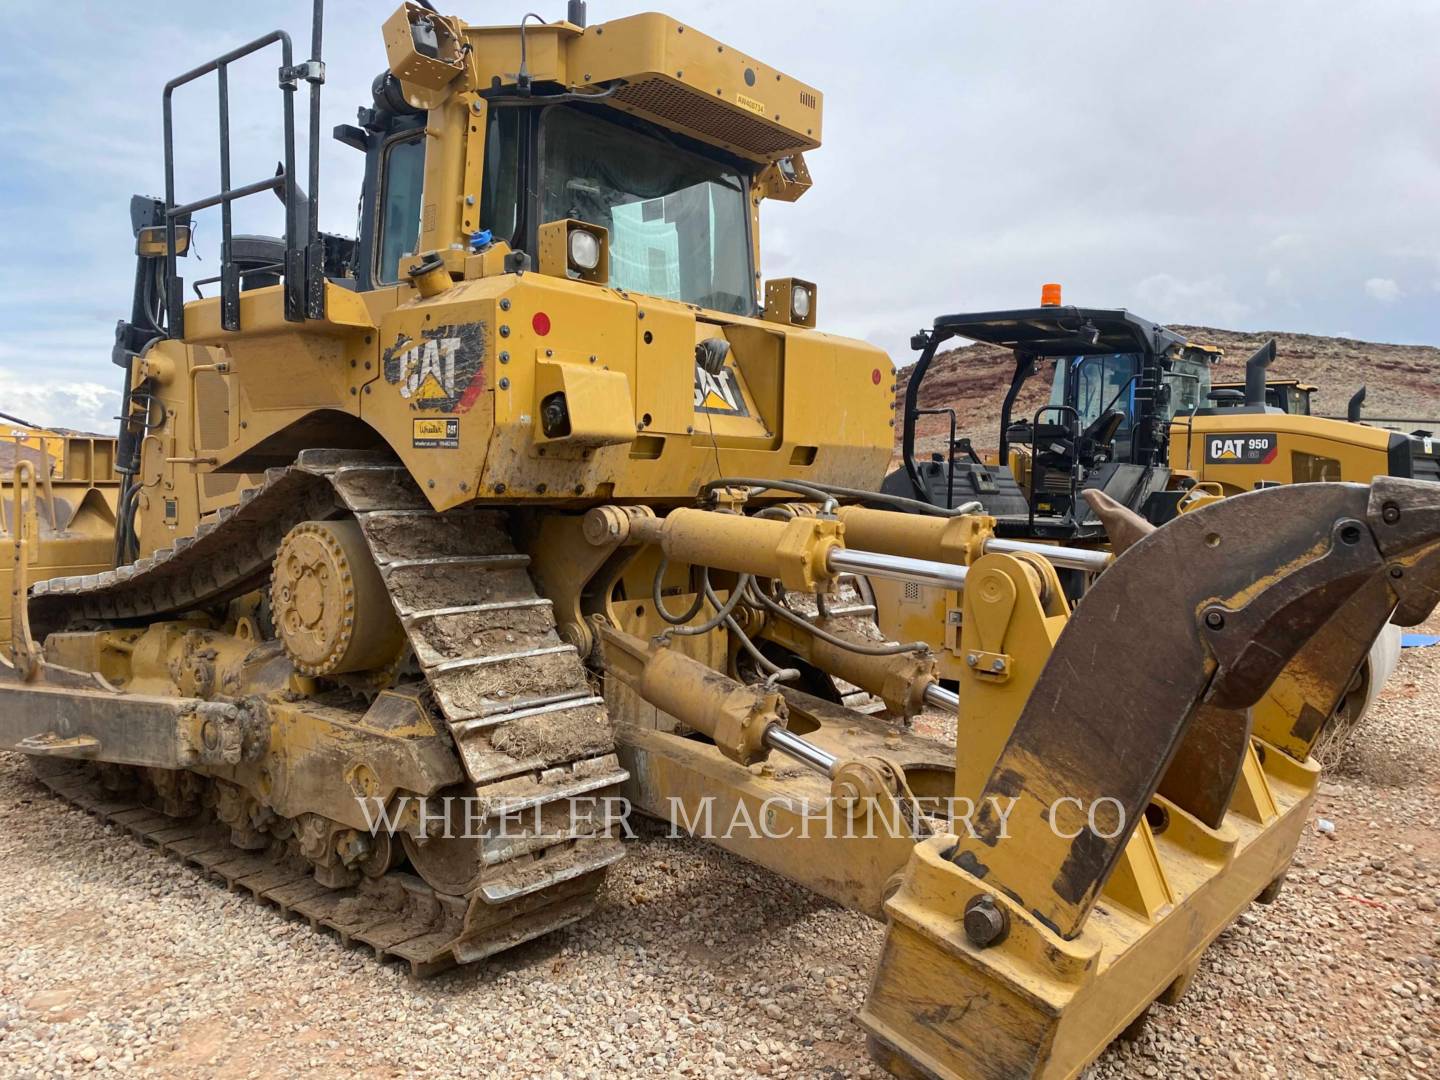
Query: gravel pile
point(114, 959)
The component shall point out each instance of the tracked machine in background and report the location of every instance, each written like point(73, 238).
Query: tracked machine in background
point(526, 498)
point(58, 497)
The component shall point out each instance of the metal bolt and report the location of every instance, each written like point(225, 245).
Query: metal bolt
point(972, 659)
point(469, 200)
point(997, 665)
point(985, 923)
point(1214, 620)
point(1390, 513)
point(504, 330)
point(504, 357)
point(504, 384)
point(1397, 572)
point(504, 303)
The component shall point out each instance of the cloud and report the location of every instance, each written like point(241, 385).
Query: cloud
point(1209, 300)
point(1386, 290)
point(85, 406)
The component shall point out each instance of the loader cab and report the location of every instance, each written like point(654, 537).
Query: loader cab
point(1286, 395)
point(1117, 382)
point(1112, 382)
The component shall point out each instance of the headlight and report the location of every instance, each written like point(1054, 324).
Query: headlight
point(800, 302)
point(584, 249)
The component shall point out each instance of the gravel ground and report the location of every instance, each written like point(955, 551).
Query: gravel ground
point(113, 958)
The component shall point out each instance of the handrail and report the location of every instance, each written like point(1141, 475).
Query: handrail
point(23, 652)
point(44, 482)
point(304, 255)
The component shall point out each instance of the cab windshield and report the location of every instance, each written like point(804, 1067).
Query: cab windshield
point(1095, 384)
point(677, 219)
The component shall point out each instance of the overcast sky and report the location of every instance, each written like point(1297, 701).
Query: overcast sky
point(1250, 166)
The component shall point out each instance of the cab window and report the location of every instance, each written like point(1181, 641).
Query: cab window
point(500, 192)
point(1094, 384)
point(402, 182)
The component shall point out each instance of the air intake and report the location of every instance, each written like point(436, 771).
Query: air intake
point(710, 118)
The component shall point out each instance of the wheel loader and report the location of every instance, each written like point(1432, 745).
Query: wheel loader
point(1262, 432)
point(441, 546)
point(1134, 432)
point(1134, 414)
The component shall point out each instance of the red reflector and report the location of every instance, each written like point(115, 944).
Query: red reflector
point(875, 376)
point(541, 323)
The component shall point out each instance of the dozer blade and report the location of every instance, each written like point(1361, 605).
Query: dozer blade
point(1023, 947)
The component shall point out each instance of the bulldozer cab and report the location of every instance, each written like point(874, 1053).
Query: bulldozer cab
point(1117, 382)
point(675, 212)
point(556, 257)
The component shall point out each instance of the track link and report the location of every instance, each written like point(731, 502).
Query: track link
point(526, 724)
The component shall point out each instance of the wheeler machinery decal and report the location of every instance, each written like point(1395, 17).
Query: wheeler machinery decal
point(437, 433)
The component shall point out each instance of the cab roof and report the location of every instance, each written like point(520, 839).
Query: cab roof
point(1061, 331)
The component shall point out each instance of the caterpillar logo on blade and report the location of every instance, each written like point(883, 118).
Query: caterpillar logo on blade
point(719, 394)
point(1241, 449)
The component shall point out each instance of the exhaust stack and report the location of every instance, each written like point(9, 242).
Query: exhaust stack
point(1255, 373)
point(1352, 410)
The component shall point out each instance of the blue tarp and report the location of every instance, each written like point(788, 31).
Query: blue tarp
point(1419, 641)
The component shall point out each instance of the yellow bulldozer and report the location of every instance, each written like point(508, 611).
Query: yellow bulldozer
point(442, 546)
